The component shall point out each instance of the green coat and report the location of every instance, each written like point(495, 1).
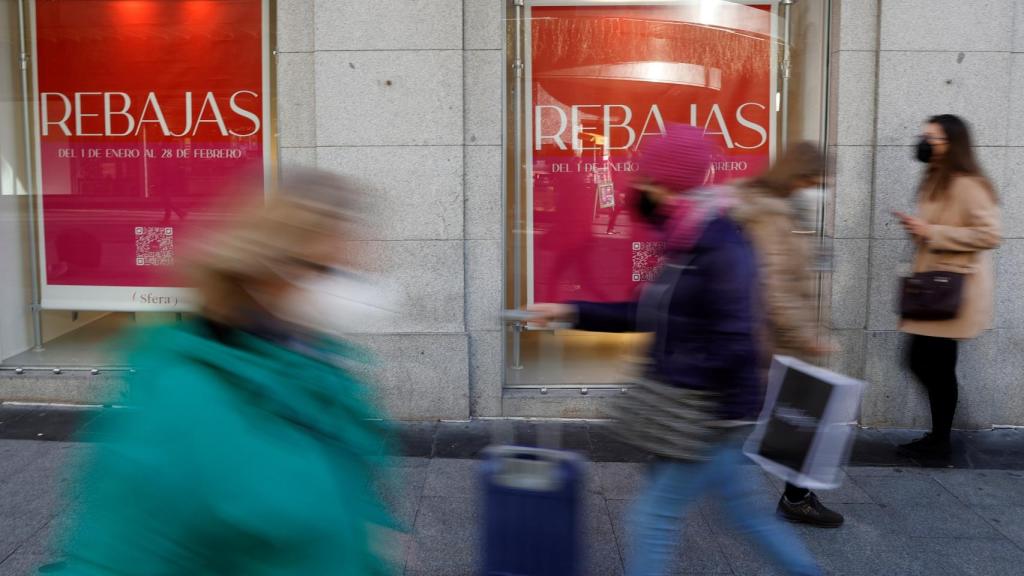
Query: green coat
point(250, 459)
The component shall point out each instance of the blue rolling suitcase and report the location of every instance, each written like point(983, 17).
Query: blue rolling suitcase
point(532, 507)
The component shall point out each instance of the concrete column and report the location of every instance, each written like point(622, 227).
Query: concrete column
point(852, 99)
point(296, 94)
point(376, 90)
point(484, 33)
point(1008, 405)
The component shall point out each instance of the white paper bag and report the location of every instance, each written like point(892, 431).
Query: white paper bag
point(807, 427)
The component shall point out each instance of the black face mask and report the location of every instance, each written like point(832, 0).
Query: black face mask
point(924, 151)
point(647, 208)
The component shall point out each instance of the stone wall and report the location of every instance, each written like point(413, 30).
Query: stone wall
point(894, 63)
point(407, 97)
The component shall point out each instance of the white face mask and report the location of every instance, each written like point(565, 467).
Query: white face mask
point(342, 303)
point(806, 202)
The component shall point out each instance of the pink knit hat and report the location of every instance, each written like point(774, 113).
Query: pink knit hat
point(679, 160)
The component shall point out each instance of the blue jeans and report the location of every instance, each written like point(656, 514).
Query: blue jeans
point(656, 518)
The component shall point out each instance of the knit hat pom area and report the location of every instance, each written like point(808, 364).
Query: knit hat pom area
point(680, 160)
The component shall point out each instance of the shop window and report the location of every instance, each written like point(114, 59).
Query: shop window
point(149, 122)
point(588, 83)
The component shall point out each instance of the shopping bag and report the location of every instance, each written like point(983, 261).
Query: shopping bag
point(807, 426)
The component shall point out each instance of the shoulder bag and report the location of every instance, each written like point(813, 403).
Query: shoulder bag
point(665, 420)
point(931, 295)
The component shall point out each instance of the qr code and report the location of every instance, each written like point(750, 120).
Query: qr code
point(646, 260)
point(154, 246)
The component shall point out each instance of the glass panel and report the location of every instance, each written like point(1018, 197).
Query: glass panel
point(599, 79)
point(149, 123)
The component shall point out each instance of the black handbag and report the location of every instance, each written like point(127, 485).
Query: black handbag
point(931, 296)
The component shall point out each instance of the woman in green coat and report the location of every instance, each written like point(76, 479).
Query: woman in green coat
point(254, 445)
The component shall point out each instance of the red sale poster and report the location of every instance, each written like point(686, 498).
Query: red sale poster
point(152, 122)
point(603, 79)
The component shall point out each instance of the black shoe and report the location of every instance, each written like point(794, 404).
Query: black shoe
point(926, 440)
point(811, 511)
point(929, 446)
point(937, 450)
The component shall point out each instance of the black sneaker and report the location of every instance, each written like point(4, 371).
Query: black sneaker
point(811, 511)
point(921, 442)
point(928, 446)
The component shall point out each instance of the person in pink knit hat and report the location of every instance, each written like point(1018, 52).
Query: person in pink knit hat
point(700, 384)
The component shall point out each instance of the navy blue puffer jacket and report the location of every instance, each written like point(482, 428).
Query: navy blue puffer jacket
point(703, 311)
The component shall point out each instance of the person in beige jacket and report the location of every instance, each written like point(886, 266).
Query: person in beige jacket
point(956, 227)
point(770, 219)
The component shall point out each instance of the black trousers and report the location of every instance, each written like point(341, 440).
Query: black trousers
point(795, 493)
point(933, 361)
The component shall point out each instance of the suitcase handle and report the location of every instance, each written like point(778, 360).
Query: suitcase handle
point(528, 468)
point(530, 453)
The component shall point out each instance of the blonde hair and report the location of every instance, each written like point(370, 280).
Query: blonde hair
point(306, 209)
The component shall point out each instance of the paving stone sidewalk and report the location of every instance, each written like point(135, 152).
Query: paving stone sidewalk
point(965, 517)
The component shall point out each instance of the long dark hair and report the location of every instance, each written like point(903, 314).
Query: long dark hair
point(959, 159)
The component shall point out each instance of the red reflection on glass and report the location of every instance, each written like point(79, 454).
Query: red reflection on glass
point(603, 80)
point(151, 119)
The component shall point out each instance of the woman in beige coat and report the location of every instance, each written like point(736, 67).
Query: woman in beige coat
point(769, 218)
point(956, 226)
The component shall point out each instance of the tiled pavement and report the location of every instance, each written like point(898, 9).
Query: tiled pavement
point(964, 518)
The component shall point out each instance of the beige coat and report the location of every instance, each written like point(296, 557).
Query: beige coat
point(963, 228)
point(784, 257)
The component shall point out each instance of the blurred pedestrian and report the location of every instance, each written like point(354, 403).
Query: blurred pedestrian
point(957, 223)
point(613, 215)
point(701, 381)
point(254, 446)
point(770, 218)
